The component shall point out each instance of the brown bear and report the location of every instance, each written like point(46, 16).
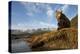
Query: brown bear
point(63, 21)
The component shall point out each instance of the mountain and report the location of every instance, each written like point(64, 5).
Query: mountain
point(16, 31)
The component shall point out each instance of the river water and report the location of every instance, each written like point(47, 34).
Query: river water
point(19, 45)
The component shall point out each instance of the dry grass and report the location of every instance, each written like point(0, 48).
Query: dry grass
point(66, 38)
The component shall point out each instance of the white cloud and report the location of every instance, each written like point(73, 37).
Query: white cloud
point(30, 8)
point(29, 14)
point(49, 12)
point(41, 24)
point(48, 25)
point(18, 27)
point(64, 8)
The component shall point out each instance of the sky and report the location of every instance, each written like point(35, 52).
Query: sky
point(29, 15)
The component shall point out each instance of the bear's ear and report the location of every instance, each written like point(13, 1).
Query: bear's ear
point(59, 10)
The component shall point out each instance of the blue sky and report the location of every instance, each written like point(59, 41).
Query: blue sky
point(28, 15)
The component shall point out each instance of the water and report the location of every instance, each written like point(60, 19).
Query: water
point(20, 46)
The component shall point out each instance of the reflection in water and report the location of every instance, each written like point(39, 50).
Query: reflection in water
point(20, 46)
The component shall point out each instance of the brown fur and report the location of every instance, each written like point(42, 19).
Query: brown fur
point(63, 21)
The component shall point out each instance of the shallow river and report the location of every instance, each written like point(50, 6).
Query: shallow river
point(20, 46)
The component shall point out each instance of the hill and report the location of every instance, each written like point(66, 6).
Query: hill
point(63, 39)
point(74, 22)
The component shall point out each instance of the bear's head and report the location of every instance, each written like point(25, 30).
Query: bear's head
point(58, 14)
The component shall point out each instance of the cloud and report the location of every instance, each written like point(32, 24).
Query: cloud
point(18, 27)
point(47, 25)
point(64, 8)
point(22, 27)
point(30, 8)
point(25, 26)
point(37, 8)
point(34, 8)
point(29, 14)
point(49, 12)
